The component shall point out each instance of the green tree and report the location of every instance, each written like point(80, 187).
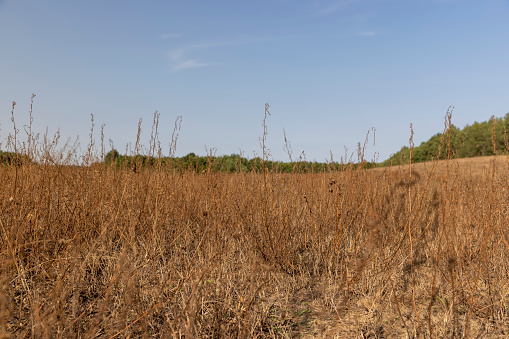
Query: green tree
point(111, 156)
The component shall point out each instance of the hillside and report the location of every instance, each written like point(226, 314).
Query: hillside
point(465, 167)
point(472, 141)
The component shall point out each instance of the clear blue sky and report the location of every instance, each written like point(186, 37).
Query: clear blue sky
point(330, 70)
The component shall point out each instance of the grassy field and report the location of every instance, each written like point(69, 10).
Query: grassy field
point(401, 252)
point(474, 168)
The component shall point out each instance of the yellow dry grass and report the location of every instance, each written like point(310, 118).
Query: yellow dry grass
point(474, 167)
point(96, 251)
point(104, 252)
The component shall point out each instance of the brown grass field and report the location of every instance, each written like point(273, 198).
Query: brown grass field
point(96, 251)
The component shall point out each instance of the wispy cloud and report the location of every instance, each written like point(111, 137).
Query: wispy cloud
point(181, 60)
point(180, 52)
point(336, 6)
point(368, 33)
point(166, 36)
point(192, 63)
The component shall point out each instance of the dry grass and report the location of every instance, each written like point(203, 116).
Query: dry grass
point(95, 251)
point(468, 167)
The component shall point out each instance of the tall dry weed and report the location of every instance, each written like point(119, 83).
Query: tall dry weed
point(150, 251)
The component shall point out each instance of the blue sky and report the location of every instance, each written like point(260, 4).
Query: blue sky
point(330, 69)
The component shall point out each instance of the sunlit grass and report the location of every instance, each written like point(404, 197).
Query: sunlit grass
point(154, 251)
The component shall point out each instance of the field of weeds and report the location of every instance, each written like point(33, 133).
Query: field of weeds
point(100, 251)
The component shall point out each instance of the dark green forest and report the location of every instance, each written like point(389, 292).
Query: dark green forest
point(11, 158)
point(227, 164)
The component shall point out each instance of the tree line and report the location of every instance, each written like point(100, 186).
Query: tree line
point(233, 163)
point(472, 141)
